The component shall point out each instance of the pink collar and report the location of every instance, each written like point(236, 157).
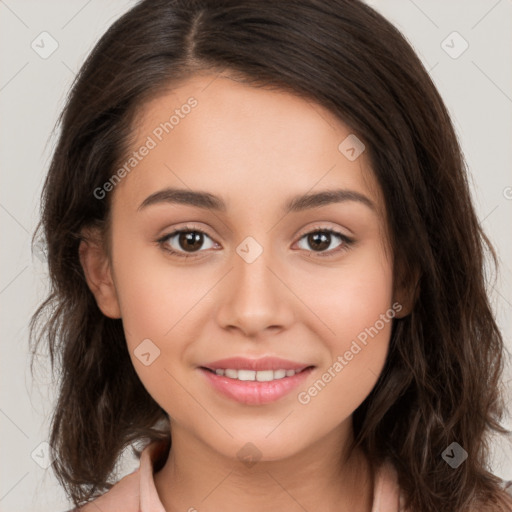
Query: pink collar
point(386, 497)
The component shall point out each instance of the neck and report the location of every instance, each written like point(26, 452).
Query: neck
point(325, 476)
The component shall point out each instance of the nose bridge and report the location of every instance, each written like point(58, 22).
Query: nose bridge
point(256, 298)
point(252, 265)
point(255, 283)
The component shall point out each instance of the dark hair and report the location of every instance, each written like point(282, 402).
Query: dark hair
point(441, 380)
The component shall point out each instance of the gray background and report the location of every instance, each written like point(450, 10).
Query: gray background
point(476, 86)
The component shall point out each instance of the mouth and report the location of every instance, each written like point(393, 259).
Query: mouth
point(255, 381)
point(255, 375)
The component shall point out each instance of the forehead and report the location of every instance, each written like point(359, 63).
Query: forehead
point(215, 133)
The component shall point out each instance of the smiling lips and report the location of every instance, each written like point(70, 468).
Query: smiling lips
point(255, 381)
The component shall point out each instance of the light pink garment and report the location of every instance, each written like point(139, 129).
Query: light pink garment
point(136, 492)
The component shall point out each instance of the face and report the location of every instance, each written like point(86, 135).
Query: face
point(249, 276)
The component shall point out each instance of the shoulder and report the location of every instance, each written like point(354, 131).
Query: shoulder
point(387, 489)
point(123, 496)
point(503, 502)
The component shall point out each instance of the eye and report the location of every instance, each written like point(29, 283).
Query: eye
point(187, 242)
point(322, 238)
point(184, 242)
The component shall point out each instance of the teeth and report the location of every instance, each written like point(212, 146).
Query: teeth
point(260, 376)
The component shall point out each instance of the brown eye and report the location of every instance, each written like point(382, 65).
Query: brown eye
point(321, 241)
point(181, 242)
point(190, 240)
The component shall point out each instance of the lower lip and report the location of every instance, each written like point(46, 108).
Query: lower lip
point(254, 392)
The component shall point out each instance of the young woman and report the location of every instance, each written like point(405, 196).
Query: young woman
point(267, 270)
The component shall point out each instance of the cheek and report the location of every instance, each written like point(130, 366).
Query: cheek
point(154, 295)
point(156, 301)
point(356, 306)
point(160, 304)
point(361, 318)
point(352, 298)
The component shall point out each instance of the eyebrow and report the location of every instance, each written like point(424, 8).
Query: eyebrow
point(295, 204)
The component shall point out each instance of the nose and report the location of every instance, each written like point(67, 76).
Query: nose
point(255, 297)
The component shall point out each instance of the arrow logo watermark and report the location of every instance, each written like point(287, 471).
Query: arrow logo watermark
point(351, 147)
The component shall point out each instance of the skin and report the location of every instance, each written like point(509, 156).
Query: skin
point(255, 148)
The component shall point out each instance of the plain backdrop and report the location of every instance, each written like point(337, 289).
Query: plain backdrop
point(472, 70)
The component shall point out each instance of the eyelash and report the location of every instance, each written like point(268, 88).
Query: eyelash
point(347, 242)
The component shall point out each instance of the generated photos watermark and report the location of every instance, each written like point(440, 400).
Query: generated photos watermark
point(151, 142)
point(305, 397)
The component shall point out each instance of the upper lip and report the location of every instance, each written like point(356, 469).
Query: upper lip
point(264, 363)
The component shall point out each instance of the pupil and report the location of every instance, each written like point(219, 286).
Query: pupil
point(319, 240)
point(190, 240)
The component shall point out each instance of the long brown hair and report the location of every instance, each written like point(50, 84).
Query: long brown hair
point(441, 380)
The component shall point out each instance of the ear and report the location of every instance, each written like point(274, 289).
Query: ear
point(98, 274)
point(406, 291)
